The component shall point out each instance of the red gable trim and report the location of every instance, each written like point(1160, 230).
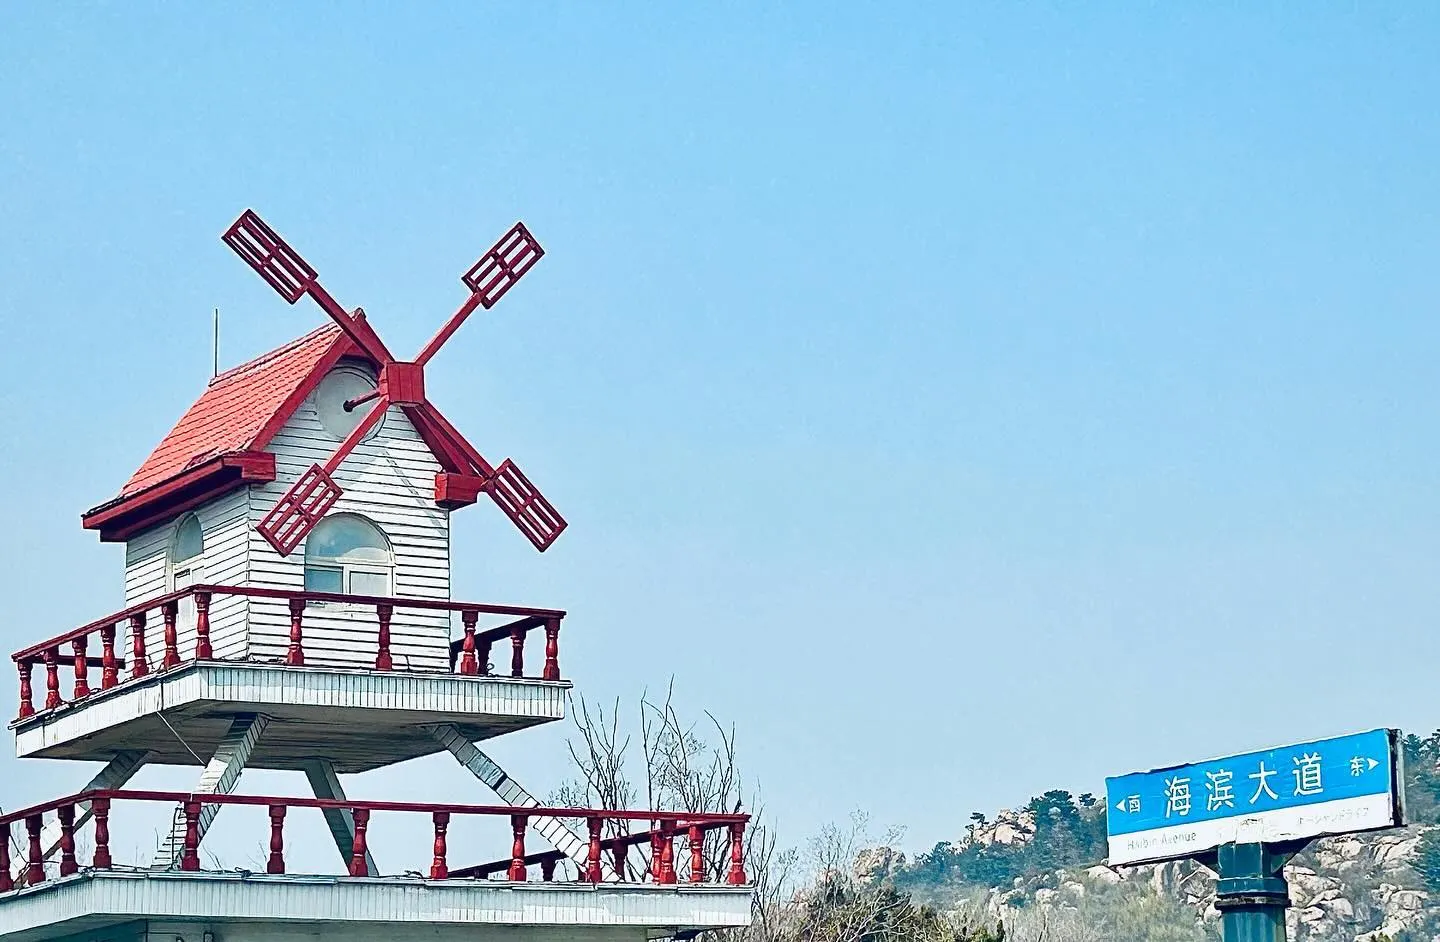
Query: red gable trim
point(123, 518)
point(342, 347)
point(441, 445)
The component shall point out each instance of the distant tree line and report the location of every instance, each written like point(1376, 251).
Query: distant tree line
point(1069, 832)
point(1422, 799)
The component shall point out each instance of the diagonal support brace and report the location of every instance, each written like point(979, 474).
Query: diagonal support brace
point(509, 791)
point(326, 784)
point(220, 777)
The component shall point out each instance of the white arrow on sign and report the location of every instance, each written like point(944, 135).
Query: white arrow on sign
point(1372, 762)
point(1120, 805)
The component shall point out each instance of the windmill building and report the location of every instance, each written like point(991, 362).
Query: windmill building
point(288, 606)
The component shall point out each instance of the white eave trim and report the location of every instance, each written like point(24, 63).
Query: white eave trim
point(265, 687)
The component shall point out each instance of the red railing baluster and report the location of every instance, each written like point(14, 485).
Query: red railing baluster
point(100, 808)
point(467, 647)
point(737, 855)
point(276, 863)
point(439, 869)
point(68, 865)
point(52, 678)
point(295, 657)
point(82, 669)
point(169, 612)
point(552, 650)
point(358, 850)
point(6, 883)
point(473, 651)
point(27, 693)
point(517, 652)
point(109, 669)
point(190, 853)
point(203, 649)
point(383, 613)
point(667, 852)
point(35, 862)
point(139, 666)
point(666, 830)
point(697, 854)
point(517, 848)
point(592, 857)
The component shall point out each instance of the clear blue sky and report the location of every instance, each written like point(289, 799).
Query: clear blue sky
point(963, 402)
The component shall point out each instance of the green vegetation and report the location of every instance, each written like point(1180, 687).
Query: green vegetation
point(1422, 778)
point(1069, 833)
point(1427, 860)
point(840, 909)
point(1111, 914)
point(1422, 798)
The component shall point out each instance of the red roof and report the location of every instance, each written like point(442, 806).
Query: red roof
point(218, 444)
point(238, 410)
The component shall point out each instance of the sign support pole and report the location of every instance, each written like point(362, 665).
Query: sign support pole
point(1252, 894)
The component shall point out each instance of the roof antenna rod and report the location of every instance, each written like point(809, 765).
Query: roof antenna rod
point(215, 346)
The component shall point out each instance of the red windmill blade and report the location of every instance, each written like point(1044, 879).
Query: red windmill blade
point(401, 384)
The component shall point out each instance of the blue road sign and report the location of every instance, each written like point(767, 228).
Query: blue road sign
point(1350, 783)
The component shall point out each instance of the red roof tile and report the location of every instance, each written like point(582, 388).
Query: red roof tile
point(235, 409)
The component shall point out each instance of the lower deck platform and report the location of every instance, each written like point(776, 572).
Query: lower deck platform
point(134, 906)
point(360, 719)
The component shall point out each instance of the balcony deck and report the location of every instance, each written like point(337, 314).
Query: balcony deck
point(359, 720)
point(179, 708)
point(240, 908)
point(703, 886)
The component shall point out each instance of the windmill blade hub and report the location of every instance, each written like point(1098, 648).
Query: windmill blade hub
point(403, 383)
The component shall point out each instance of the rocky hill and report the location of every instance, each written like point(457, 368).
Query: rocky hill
point(1040, 870)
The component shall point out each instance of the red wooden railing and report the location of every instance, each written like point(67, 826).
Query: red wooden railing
point(661, 840)
point(664, 828)
point(469, 655)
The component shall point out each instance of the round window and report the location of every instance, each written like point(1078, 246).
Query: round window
point(340, 385)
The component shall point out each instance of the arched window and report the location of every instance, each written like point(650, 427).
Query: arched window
point(187, 552)
point(187, 564)
point(347, 553)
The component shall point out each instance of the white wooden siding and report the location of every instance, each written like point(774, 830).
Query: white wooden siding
point(145, 564)
point(390, 480)
point(223, 524)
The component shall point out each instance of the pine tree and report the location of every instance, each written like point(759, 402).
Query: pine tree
point(1427, 859)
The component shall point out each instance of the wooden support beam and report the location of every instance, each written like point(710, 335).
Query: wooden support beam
point(326, 784)
point(509, 791)
point(221, 775)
